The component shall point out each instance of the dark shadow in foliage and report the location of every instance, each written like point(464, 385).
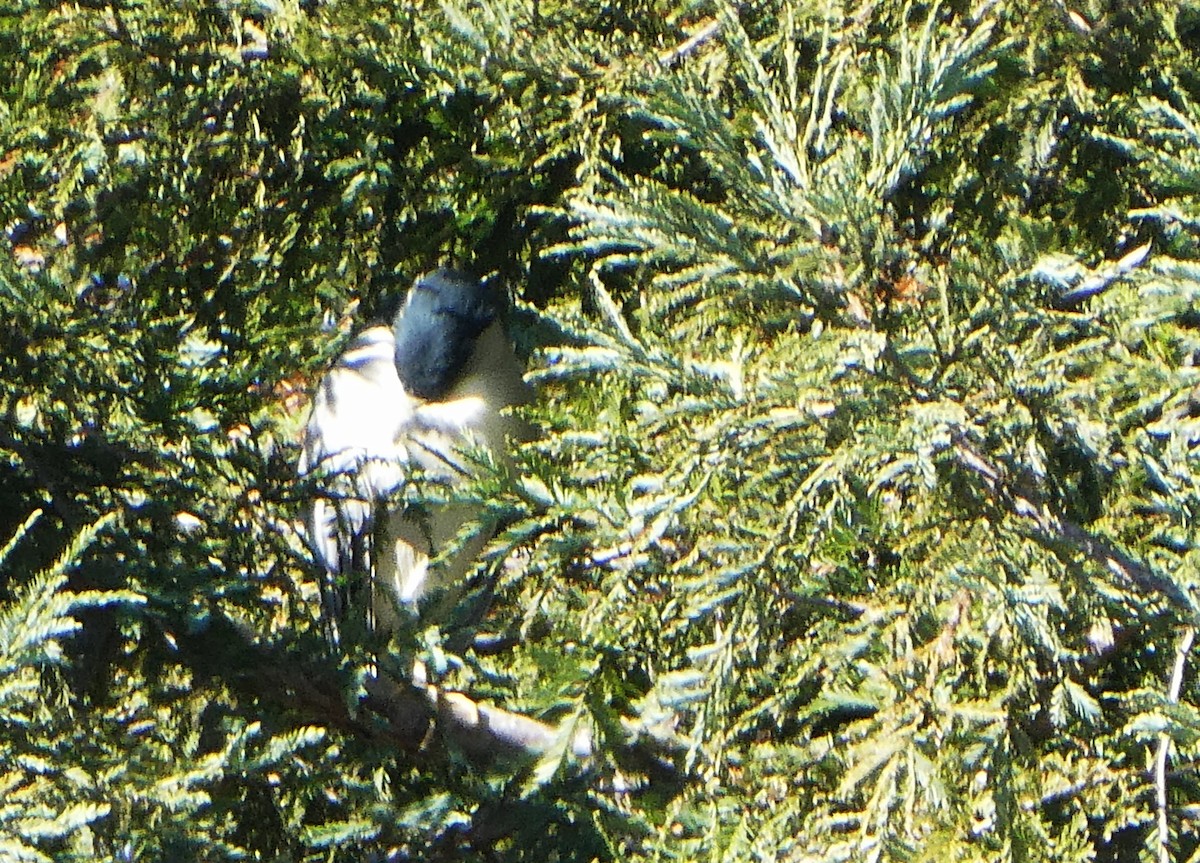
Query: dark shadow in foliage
point(1124, 845)
point(536, 828)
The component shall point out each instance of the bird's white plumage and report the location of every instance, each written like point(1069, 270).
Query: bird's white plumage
point(366, 434)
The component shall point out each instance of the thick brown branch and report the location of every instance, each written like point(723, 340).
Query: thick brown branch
point(410, 715)
point(480, 730)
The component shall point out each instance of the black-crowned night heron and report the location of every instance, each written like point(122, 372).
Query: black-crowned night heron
point(423, 393)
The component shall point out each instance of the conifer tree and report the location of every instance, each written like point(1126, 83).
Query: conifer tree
point(861, 521)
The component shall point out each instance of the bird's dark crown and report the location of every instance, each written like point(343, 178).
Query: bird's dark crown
point(436, 330)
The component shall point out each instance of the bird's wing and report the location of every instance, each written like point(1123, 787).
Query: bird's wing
point(354, 440)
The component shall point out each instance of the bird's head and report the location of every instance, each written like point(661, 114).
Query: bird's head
point(437, 328)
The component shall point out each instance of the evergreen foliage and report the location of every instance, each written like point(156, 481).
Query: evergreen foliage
point(862, 521)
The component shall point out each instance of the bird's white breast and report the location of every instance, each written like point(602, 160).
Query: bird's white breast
point(440, 438)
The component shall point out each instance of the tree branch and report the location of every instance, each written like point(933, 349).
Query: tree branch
point(411, 715)
point(1164, 745)
point(687, 46)
point(407, 715)
point(1027, 504)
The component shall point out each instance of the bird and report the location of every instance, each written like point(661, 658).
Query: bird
point(413, 398)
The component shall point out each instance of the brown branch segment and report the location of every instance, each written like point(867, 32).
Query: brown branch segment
point(408, 715)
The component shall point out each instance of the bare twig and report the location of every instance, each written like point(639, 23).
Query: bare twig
point(1104, 278)
point(1164, 744)
point(690, 44)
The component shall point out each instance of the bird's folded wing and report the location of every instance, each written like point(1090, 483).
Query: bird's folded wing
point(355, 440)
